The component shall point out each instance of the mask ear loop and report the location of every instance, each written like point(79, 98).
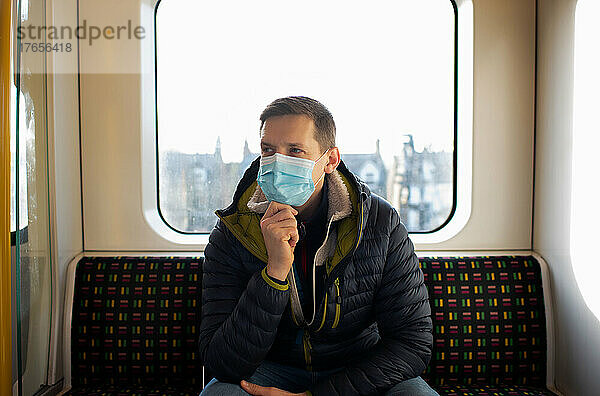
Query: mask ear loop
point(323, 175)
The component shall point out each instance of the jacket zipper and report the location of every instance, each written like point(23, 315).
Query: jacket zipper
point(306, 336)
point(324, 314)
point(338, 303)
point(338, 299)
point(313, 271)
point(307, 349)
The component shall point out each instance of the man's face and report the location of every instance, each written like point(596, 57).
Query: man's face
point(293, 135)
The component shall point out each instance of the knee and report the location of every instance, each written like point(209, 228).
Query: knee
point(217, 388)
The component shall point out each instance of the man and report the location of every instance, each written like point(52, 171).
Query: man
point(310, 283)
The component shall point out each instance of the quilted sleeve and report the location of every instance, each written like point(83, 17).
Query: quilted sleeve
point(403, 317)
point(239, 316)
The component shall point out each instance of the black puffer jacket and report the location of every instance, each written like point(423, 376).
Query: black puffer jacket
point(376, 322)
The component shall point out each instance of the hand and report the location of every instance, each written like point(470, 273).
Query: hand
point(254, 389)
point(280, 232)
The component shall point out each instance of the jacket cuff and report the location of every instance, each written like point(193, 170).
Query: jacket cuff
point(276, 283)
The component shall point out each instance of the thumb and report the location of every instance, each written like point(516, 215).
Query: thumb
point(251, 388)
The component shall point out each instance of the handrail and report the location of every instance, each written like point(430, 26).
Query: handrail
point(5, 274)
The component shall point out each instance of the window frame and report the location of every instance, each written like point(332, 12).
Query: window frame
point(463, 137)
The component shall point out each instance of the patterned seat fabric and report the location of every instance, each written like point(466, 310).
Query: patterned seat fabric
point(134, 390)
point(489, 325)
point(135, 326)
point(136, 320)
point(491, 390)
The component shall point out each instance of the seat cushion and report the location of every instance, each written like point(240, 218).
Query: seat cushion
point(490, 390)
point(489, 324)
point(136, 322)
point(133, 390)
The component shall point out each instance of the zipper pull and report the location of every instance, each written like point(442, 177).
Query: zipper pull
point(338, 303)
point(301, 230)
point(307, 349)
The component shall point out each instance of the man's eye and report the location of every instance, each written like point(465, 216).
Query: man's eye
point(299, 151)
point(265, 150)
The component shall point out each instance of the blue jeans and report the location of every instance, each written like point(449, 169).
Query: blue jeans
point(296, 380)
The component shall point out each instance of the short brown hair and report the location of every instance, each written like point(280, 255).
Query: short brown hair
point(316, 111)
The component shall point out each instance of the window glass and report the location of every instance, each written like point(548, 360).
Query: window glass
point(385, 69)
point(13, 169)
point(31, 257)
point(585, 214)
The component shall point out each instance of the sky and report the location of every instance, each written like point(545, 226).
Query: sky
point(383, 70)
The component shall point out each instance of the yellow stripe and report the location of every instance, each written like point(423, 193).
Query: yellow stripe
point(337, 305)
point(360, 225)
point(307, 347)
point(337, 316)
point(274, 284)
point(5, 314)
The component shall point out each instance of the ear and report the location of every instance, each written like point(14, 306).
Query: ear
point(334, 160)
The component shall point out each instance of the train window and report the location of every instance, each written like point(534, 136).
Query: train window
point(31, 257)
point(585, 214)
point(20, 172)
point(387, 72)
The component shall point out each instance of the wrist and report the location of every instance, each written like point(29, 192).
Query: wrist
point(277, 275)
point(274, 282)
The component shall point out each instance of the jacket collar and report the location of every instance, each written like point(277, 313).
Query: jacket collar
point(339, 203)
point(348, 201)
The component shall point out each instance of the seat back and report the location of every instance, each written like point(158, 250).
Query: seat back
point(136, 320)
point(489, 322)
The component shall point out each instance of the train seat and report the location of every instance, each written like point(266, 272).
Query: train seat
point(490, 320)
point(132, 324)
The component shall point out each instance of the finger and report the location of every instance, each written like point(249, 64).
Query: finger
point(253, 389)
point(281, 224)
point(275, 207)
point(294, 239)
point(287, 211)
point(287, 234)
point(279, 216)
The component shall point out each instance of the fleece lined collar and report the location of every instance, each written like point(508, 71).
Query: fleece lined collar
point(348, 203)
point(339, 204)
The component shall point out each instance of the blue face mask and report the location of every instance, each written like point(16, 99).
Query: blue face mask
point(287, 180)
